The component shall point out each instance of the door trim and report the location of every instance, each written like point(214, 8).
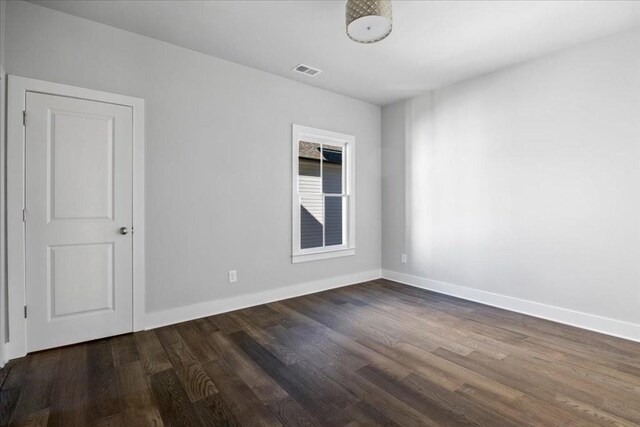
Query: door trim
point(16, 265)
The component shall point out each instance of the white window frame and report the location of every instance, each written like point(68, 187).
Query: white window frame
point(347, 142)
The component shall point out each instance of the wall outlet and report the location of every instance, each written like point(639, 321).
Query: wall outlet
point(233, 276)
point(403, 258)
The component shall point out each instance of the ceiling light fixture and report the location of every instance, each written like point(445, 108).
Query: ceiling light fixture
point(368, 21)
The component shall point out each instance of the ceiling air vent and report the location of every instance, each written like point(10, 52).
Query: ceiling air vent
point(305, 69)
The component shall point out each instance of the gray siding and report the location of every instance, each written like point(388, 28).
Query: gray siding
point(312, 218)
point(333, 221)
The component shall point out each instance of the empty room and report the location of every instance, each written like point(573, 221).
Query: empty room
point(319, 213)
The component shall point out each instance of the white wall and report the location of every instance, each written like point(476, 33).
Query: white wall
point(208, 122)
point(523, 183)
point(3, 272)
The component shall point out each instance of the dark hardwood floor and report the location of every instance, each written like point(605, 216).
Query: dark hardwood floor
point(373, 353)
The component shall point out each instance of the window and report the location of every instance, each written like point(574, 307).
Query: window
point(323, 199)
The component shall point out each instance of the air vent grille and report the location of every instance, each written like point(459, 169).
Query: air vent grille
point(305, 69)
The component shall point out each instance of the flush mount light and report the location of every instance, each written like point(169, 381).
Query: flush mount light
point(368, 21)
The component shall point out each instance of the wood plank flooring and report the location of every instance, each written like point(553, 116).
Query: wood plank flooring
point(376, 353)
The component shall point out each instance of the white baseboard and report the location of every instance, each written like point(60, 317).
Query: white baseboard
point(170, 316)
point(592, 322)
point(5, 354)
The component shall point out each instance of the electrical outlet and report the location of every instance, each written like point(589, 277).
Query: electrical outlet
point(233, 276)
point(403, 258)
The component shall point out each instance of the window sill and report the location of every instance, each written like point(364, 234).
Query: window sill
point(315, 256)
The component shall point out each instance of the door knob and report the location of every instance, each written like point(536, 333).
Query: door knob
point(124, 230)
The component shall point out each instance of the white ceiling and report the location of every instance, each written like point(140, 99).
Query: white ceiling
point(433, 43)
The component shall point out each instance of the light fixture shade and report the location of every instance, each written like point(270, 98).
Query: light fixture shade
point(368, 21)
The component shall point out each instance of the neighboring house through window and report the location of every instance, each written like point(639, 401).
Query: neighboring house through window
point(323, 197)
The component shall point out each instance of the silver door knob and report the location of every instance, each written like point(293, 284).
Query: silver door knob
point(124, 230)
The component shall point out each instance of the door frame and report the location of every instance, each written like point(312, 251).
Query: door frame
point(16, 175)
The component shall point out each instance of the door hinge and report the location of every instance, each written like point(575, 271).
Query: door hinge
point(24, 117)
point(24, 215)
point(25, 311)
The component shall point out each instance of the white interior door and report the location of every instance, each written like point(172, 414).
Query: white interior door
point(78, 197)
